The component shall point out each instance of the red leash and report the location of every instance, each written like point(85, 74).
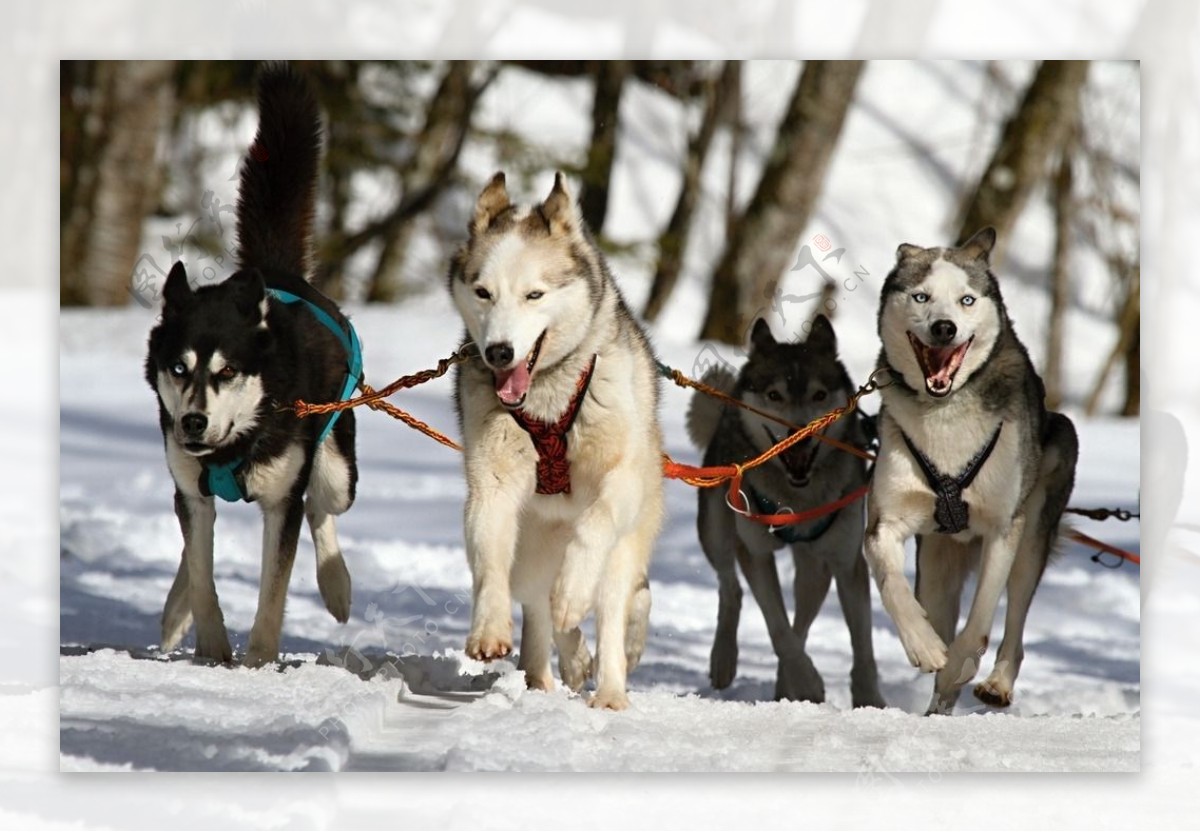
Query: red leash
point(1080, 537)
point(791, 517)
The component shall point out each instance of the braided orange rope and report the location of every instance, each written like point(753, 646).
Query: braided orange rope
point(713, 475)
point(680, 379)
point(408, 419)
point(696, 476)
point(372, 397)
point(700, 477)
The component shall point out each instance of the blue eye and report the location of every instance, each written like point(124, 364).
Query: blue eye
point(534, 295)
point(920, 297)
point(967, 300)
point(179, 369)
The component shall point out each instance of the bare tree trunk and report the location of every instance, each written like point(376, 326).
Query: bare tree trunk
point(99, 246)
point(736, 135)
point(1127, 347)
point(763, 241)
point(1027, 143)
point(672, 244)
point(1060, 281)
point(82, 130)
point(1133, 372)
point(438, 148)
point(446, 123)
point(593, 200)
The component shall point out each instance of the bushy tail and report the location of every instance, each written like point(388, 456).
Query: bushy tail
point(1060, 454)
point(704, 413)
point(279, 175)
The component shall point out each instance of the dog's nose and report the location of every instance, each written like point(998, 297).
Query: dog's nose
point(499, 355)
point(194, 423)
point(943, 331)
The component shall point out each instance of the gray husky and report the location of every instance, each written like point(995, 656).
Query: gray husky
point(970, 462)
point(796, 382)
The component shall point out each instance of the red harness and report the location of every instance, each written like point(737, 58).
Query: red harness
point(550, 439)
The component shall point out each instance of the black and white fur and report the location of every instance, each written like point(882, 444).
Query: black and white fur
point(225, 362)
point(958, 372)
point(796, 382)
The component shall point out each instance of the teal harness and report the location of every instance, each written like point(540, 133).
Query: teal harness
point(791, 534)
point(227, 481)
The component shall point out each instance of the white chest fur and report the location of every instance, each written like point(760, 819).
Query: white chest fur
point(951, 435)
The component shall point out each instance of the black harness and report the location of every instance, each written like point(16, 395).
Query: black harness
point(950, 511)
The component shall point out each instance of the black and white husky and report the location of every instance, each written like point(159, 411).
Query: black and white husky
point(970, 462)
point(225, 362)
point(796, 382)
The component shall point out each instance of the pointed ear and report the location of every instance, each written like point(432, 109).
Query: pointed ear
point(177, 292)
point(980, 245)
point(249, 293)
point(821, 336)
point(559, 211)
point(492, 202)
point(760, 336)
point(906, 250)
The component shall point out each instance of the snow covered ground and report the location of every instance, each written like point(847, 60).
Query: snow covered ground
point(392, 688)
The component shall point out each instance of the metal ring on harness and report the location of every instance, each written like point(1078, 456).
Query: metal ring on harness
point(782, 510)
point(745, 512)
point(872, 384)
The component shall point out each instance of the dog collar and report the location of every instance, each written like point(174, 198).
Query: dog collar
point(951, 512)
point(550, 439)
point(227, 480)
point(791, 534)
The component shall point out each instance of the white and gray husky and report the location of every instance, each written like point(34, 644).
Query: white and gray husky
point(562, 446)
point(970, 462)
point(222, 362)
point(796, 382)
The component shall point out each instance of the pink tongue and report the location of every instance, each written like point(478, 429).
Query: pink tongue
point(941, 360)
point(512, 385)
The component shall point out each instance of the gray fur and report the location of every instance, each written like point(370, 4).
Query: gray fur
point(704, 413)
point(1017, 501)
point(728, 539)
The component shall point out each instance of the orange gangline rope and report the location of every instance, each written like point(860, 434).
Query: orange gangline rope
point(696, 476)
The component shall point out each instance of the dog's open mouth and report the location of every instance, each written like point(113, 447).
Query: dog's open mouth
point(513, 385)
point(939, 364)
point(797, 460)
point(197, 448)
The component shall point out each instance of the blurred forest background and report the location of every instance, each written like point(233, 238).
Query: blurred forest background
point(149, 152)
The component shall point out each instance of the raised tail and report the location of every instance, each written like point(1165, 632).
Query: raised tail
point(704, 413)
point(277, 190)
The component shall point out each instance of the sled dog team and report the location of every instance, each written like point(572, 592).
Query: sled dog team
point(562, 448)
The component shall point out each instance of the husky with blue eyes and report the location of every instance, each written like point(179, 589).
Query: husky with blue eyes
point(970, 463)
point(226, 359)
